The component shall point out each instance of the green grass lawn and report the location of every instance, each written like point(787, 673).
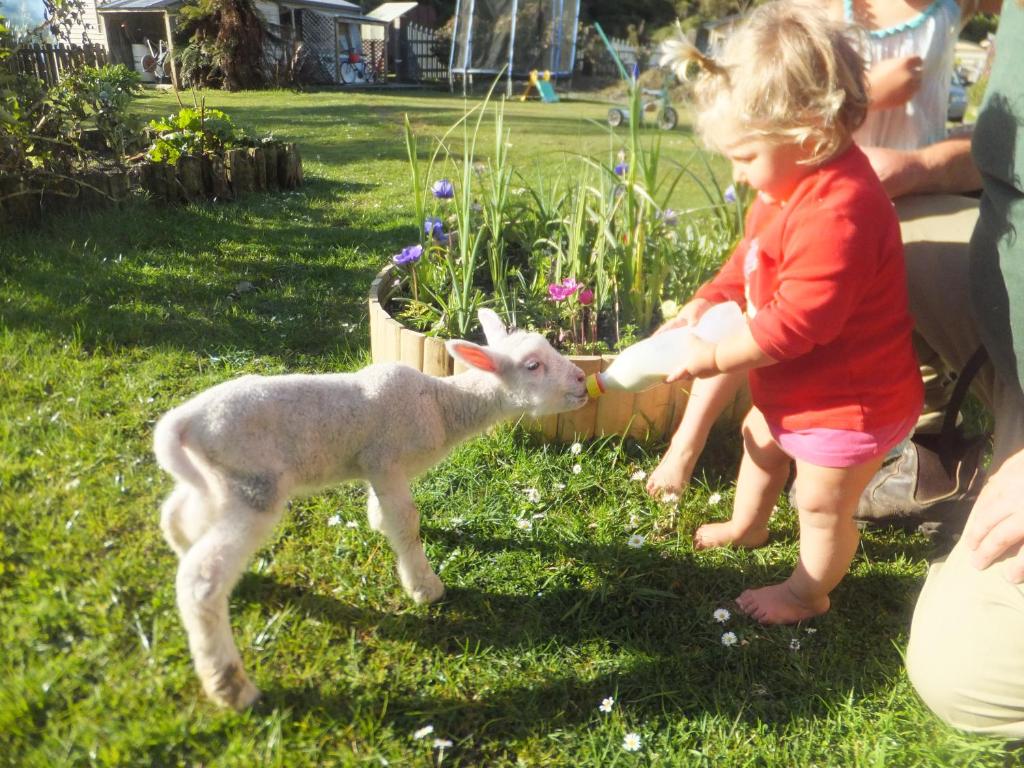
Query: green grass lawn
point(109, 320)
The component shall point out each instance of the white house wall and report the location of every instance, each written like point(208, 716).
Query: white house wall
point(90, 30)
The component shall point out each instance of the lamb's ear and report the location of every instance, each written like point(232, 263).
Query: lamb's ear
point(476, 356)
point(494, 329)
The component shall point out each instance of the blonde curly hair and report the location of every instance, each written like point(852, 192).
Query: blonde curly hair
point(789, 74)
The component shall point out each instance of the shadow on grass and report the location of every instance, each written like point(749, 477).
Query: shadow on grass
point(149, 275)
point(652, 613)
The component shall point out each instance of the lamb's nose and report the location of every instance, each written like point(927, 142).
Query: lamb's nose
point(580, 376)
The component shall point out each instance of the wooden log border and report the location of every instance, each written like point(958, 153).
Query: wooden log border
point(651, 416)
point(237, 173)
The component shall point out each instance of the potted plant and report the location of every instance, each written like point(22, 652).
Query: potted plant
point(592, 257)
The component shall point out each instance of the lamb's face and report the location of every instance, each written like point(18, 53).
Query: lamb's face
point(538, 377)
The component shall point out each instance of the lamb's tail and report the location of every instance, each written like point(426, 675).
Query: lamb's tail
point(169, 447)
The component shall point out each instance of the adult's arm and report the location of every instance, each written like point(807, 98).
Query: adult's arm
point(945, 167)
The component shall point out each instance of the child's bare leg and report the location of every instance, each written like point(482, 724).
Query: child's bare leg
point(708, 398)
point(826, 499)
point(763, 472)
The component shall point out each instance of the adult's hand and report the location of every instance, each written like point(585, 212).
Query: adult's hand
point(900, 171)
point(995, 529)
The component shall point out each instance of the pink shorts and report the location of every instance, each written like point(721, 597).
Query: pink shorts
point(841, 447)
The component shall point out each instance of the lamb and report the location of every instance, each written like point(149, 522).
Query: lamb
point(241, 449)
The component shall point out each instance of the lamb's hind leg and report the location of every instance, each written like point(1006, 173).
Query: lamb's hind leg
point(182, 518)
point(207, 573)
point(392, 511)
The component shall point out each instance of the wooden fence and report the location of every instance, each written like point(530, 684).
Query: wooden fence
point(418, 54)
point(50, 62)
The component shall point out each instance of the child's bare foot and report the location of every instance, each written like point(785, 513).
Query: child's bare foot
point(778, 605)
point(711, 535)
point(672, 473)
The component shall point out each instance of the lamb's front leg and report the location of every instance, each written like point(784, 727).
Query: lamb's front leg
point(392, 511)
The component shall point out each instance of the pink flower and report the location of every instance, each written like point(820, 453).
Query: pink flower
point(586, 296)
point(565, 289)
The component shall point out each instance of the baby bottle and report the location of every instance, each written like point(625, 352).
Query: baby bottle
point(647, 363)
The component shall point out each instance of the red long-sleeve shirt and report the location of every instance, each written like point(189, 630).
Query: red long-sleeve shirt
point(823, 281)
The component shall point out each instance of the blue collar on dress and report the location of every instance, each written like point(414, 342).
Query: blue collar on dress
point(909, 24)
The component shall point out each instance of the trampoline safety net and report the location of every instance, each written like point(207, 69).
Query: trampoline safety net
point(521, 35)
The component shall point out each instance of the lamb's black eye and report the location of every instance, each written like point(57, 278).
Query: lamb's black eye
point(533, 365)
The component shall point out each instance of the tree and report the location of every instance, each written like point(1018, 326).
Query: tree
point(226, 44)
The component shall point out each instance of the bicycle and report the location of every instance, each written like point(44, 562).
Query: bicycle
point(156, 61)
point(355, 70)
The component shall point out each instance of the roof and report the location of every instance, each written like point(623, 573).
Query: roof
point(127, 6)
point(391, 11)
point(339, 8)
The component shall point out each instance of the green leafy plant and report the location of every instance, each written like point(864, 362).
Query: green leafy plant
point(193, 132)
point(103, 95)
point(585, 252)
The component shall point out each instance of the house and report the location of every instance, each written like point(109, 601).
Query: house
point(132, 30)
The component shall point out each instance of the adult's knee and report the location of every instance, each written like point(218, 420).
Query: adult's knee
point(965, 657)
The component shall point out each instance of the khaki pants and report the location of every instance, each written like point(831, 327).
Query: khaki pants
point(966, 651)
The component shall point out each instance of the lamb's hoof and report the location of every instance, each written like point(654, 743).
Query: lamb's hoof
point(429, 590)
point(231, 688)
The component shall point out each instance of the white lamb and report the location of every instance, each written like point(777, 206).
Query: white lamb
point(240, 450)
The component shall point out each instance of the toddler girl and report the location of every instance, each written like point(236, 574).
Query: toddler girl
point(833, 377)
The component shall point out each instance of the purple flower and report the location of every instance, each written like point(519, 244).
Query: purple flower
point(434, 227)
point(563, 290)
point(622, 169)
point(586, 296)
point(443, 189)
point(670, 217)
point(409, 255)
point(730, 194)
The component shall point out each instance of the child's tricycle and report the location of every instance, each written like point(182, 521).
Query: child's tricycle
point(651, 100)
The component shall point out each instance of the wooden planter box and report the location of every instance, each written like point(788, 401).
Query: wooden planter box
point(649, 416)
point(236, 173)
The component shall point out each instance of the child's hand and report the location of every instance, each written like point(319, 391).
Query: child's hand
point(893, 82)
point(698, 362)
point(688, 315)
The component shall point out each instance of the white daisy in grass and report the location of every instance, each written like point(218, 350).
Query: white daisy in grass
point(606, 704)
point(577, 468)
point(423, 732)
point(532, 495)
point(524, 524)
point(714, 498)
point(729, 639)
point(442, 744)
point(638, 475)
point(635, 541)
point(631, 742)
point(352, 524)
point(810, 630)
point(669, 498)
point(794, 644)
point(576, 449)
point(333, 520)
point(721, 615)
point(559, 486)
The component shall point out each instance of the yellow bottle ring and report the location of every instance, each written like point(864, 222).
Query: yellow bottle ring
point(594, 388)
